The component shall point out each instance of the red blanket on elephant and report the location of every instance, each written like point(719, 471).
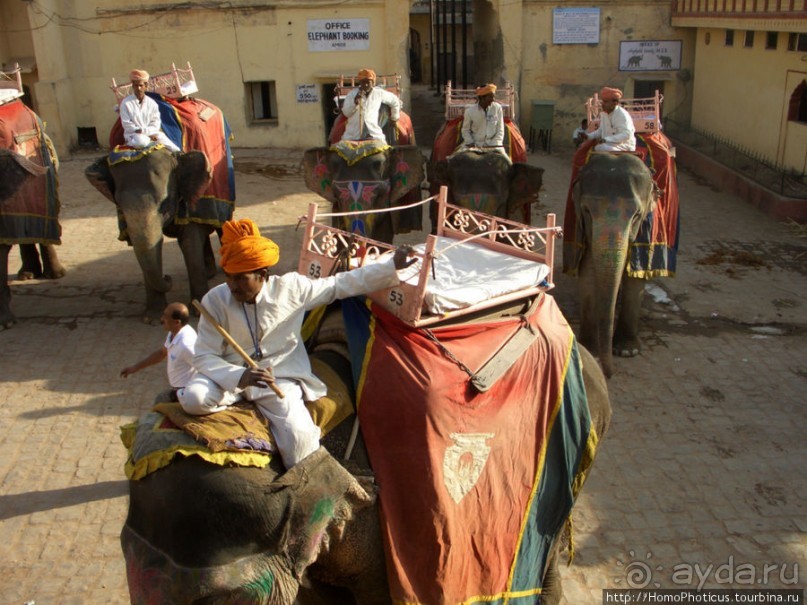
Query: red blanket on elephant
point(474, 486)
point(196, 125)
point(31, 215)
point(450, 136)
point(654, 253)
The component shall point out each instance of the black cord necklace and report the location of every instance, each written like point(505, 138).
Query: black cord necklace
point(256, 342)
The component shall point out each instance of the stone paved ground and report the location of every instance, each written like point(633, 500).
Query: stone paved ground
point(703, 468)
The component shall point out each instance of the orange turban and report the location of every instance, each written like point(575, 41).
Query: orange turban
point(139, 75)
point(487, 89)
point(366, 74)
point(610, 94)
point(244, 249)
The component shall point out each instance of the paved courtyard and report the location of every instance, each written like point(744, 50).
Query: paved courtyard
point(701, 480)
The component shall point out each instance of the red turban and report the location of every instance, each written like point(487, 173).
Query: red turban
point(139, 75)
point(610, 94)
point(244, 249)
point(366, 74)
point(487, 89)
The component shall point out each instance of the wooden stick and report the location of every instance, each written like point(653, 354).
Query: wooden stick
point(231, 341)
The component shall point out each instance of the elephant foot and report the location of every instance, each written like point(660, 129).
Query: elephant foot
point(54, 273)
point(7, 320)
point(627, 348)
point(25, 275)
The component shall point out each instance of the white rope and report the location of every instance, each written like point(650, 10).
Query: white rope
point(376, 211)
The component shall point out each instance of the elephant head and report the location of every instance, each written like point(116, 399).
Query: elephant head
point(489, 182)
point(613, 195)
point(149, 188)
point(377, 180)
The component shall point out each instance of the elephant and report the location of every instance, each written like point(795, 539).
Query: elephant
point(156, 193)
point(367, 175)
point(197, 532)
point(488, 182)
point(29, 200)
point(612, 196)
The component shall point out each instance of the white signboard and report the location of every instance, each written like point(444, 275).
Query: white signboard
point(575, 25)
point(307, 93)
point(650, 55)
point(338, 34)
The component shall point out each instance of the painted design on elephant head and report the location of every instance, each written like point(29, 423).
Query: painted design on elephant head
point(463, 462)
point(260, 589)
point(356, 196)
point(322, 173)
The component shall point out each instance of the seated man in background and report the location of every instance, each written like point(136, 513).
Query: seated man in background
point(579, 134)
point(140, 115)
point(616, 131)
point(361, 109)
point(483, 122)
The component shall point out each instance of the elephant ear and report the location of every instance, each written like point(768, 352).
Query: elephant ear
point(525, 185)
point(317, 174)
point(100, 177)
point(406, 170)
point(193, 174)
point(321, 497)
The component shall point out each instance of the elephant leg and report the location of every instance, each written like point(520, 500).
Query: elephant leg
point(193, 239)
point(7, 318)
point(552, 586)
point(52, 267)
point(626, 335)
point(31, 265)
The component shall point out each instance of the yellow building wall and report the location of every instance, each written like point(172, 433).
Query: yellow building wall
point(226, 48)
point(758, 123)
point(569, 74)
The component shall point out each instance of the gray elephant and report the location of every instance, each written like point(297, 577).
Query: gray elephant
point(157, 193)
point(488, 182)
point(378, 180)
point(198, 532)
point(29, 200)
point(611, 204)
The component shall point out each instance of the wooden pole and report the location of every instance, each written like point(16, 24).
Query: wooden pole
point(231, 341)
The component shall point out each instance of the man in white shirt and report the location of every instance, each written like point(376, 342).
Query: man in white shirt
point(616, 131)
point(140, 115)
point(483, 122)
point(361, 107)
point(177, 350)
point(264, 314)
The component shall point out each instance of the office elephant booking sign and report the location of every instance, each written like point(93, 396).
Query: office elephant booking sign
point(338, 34)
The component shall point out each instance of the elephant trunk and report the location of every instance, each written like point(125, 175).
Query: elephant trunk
point(609, 251)
point(144, 227)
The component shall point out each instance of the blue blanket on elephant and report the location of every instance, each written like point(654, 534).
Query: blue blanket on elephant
point(31, 215)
